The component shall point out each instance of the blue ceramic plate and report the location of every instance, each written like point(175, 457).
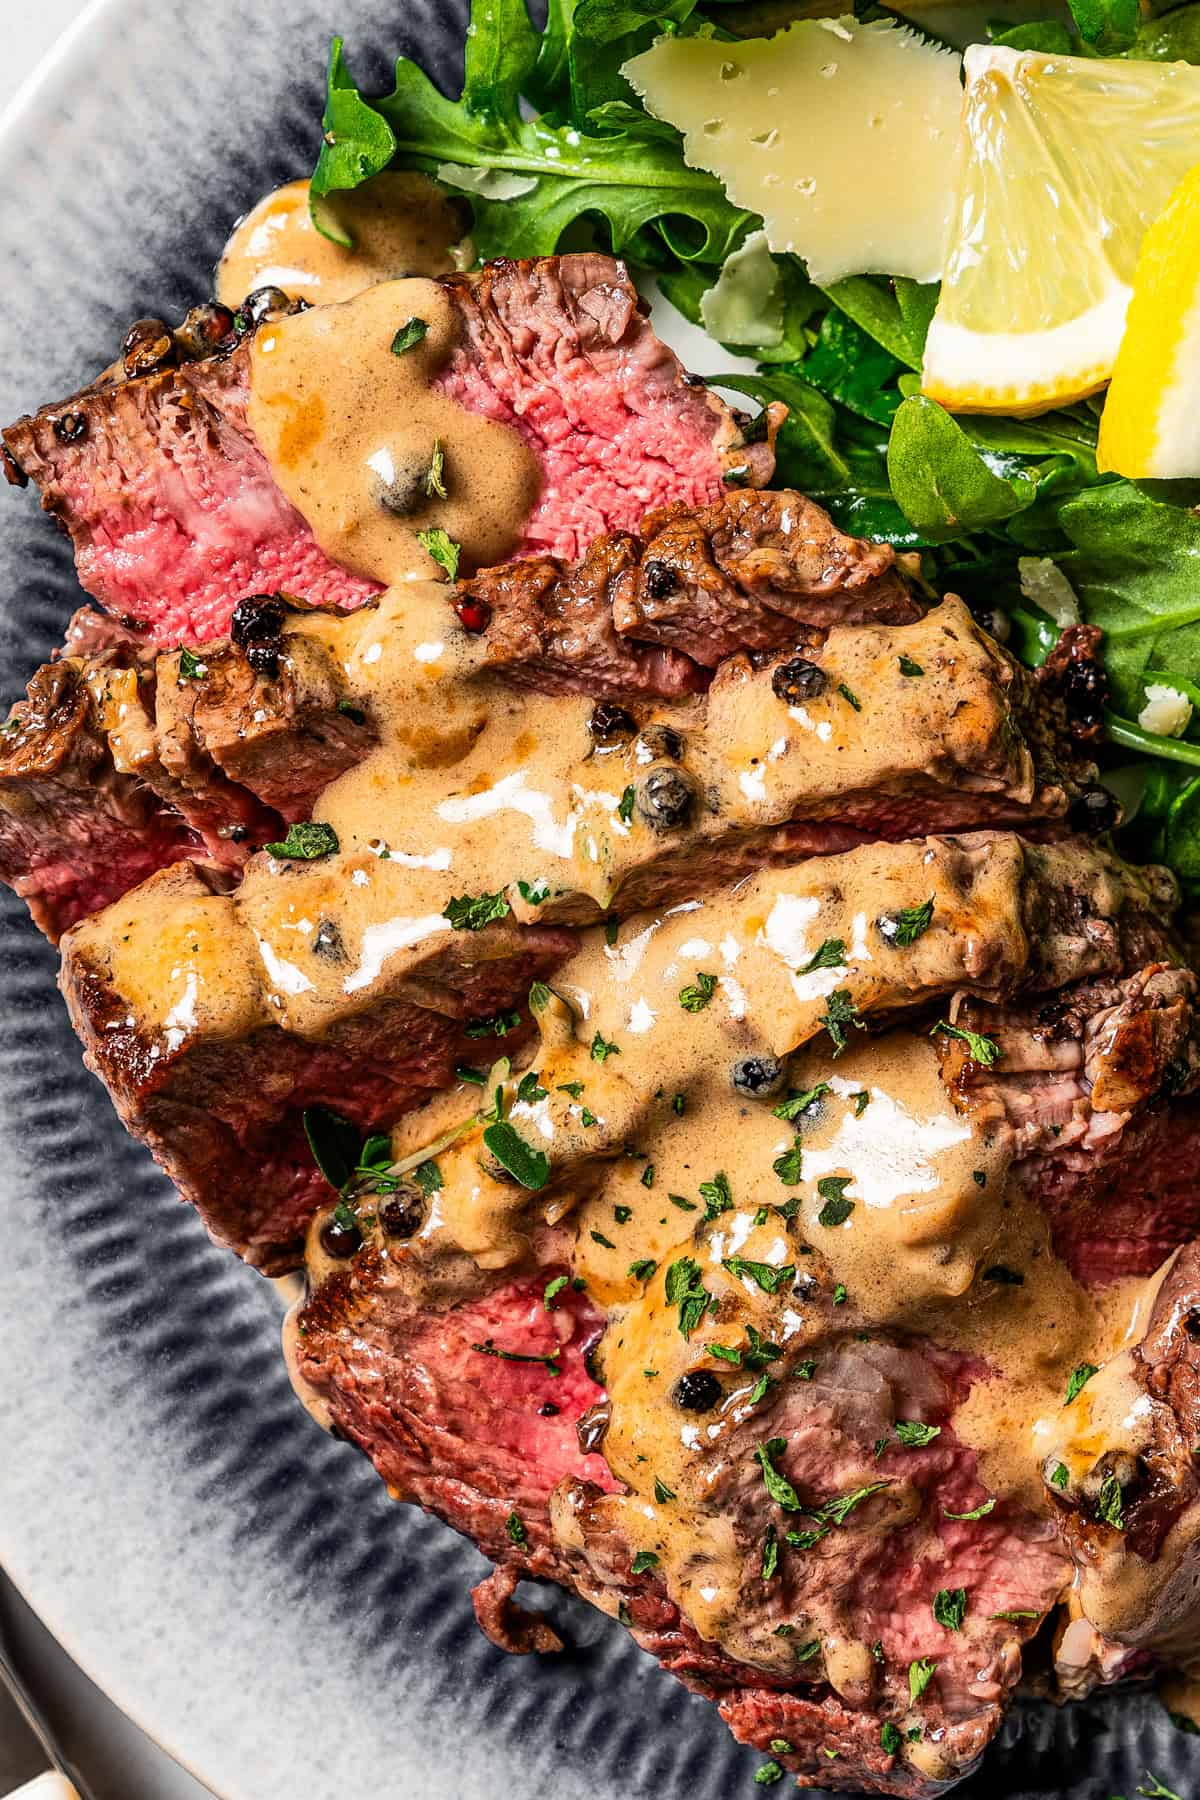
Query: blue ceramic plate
point(237, 1582)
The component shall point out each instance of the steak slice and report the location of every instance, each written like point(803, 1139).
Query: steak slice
point(647, 802)
point(175, 515)
point(217, 1086)
point(216, 1018)
point(402, 1359)
point(751, 572)
point(1129, 1494)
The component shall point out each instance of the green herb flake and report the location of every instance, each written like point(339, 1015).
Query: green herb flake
point(908, 666)
point(768, 1774)
point(622, 1214)
point(839, 1294)
point(1110, 1503)
point(795, 1104)
point(836, 1512)
point(696, 996)
point(1060, 1475)
point(678, 1104)
point(770, 1554)
point(804, 1371)
point(573, 1088)
point(645, 1559)
point(442, 548)
point(977, 1512)
point(611, 928)
point(534, 893)
point(840, 1016)
point(471, 912)
point(682, 1203)
point(913, 1434)
point(765, 1275)
point(982, 1050)
point(831, 955)
point(890, 1738)
point(778, 1486)
point(685, 1289)
point(305, 842)
point(498, 1025)
point(920, 1674)
point(552, 1290)
point(902, 929)
point(1079, 1379)
point(861, 1102)
point(662, 1493)
point(643, 1269)
point(435, 477)
point(782, 1746)
point(716, 1195)
point(602, 1049)
point(528, 1166)
point(515, 1527)
point(605, 1243)
point(647, 1177)
point(950, 1607)
point(411, 333)
point(191, 666)
point(625, 805)
point(488, 1348)
point(849, 696)
point(979, 1177)
point(837, 1209)
point(530, 1089)
point(788, 1164)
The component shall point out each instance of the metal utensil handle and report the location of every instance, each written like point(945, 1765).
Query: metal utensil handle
point(36, 1720)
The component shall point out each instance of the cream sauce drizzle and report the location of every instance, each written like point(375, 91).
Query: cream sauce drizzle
point(360, 440)
point(399, 223)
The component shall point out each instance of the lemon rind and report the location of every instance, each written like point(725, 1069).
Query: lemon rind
point(1078, 354)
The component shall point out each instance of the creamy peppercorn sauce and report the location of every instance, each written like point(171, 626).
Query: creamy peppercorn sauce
point(474, 789)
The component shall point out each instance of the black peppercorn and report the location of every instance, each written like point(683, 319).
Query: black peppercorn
point(665, 798)
point(757, 1076)
point(659, 577)
point(1094, 811)
point(658, 743)
point(797, 680)
point(340, 1240)
point(148, 346)
point(256, 629)
point(697, 1391)
point(403, 1212)
point(206, 330)
point(611, 723)
point(70, 427)
point(257, 305)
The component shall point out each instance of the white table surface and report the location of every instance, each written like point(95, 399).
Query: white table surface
point(118, 1762)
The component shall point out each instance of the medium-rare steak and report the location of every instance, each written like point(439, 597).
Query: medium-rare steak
point(216, 1018)
point(175, 514)
point(873, 732)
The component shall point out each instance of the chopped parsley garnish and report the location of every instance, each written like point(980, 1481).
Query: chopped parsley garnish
point(530, 1089)
point(682, 1203)
point(770, 1554)
point(778, 1486)
point(761, 1216)
point(902, 929)
point(534, 892)
point(784, 1746)
point(305, 842)
point(598, 1237)
point(1059, 1476)
point(355, 714)
point(835, 1512)
point(1016, 1615)
point(920, 1674)
point(913, 1434)
point(191, 666)
point(428, 1177)
point(515, 1527)
point(849, 696)
point(587, 1117)
point(761, 1389)
point(645, 1559)
point(643, 1269)
point(840, 1015)
point(552, 1290)
point(686, 1291)
point(443, 549)
point(908, 666)
point(647, 1176)
point(1110, 1503)
point(677, 1105)
point(727, 1352)
point(662, 1493)
point(795, 1104)
point(764, 1275)
point(890, 1738)
point(498, 1025)
point(625, 805)
point(839, 1294)
point(525, 1164)
point(950, 1607)
point(861, 1102)
point(574, 1088)
point(716, 1195)
point(471, 912)
point(602, 1049)
point(611, 928)
point(977, 1512)
point(802, 1653)
point(983, 1050)
point(696, 996)
point(837, 1209)
point(622, 1214)
point(787, 1165)
point(1080, 1377)
point(488, 1348)
point(435, 478)
point(769, 1773)
point(804, 1540)
point(476, 1077)
point(804, 1371)
point(831, 955)
point(410, 334)
point(877, 1650)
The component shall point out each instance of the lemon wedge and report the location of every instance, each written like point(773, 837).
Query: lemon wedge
point(1067, 161)
point(1151, 421)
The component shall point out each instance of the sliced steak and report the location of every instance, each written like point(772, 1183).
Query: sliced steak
point(175, 515)
point(752, 572)
point(217, 1087)
point(783, 758)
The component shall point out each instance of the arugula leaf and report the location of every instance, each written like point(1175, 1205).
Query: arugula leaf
point(939, 479)
point(428, 1177)
point(356, 144)
point(1106, 26)
point(895, 313)
point(913, 1433)
point(1175, 38)
point(1046, 35)
point(950, 1607)
point(837, 1511)
point(849, 366)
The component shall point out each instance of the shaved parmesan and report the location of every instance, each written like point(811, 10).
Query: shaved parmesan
point(843, 136)
point(1167, 712)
